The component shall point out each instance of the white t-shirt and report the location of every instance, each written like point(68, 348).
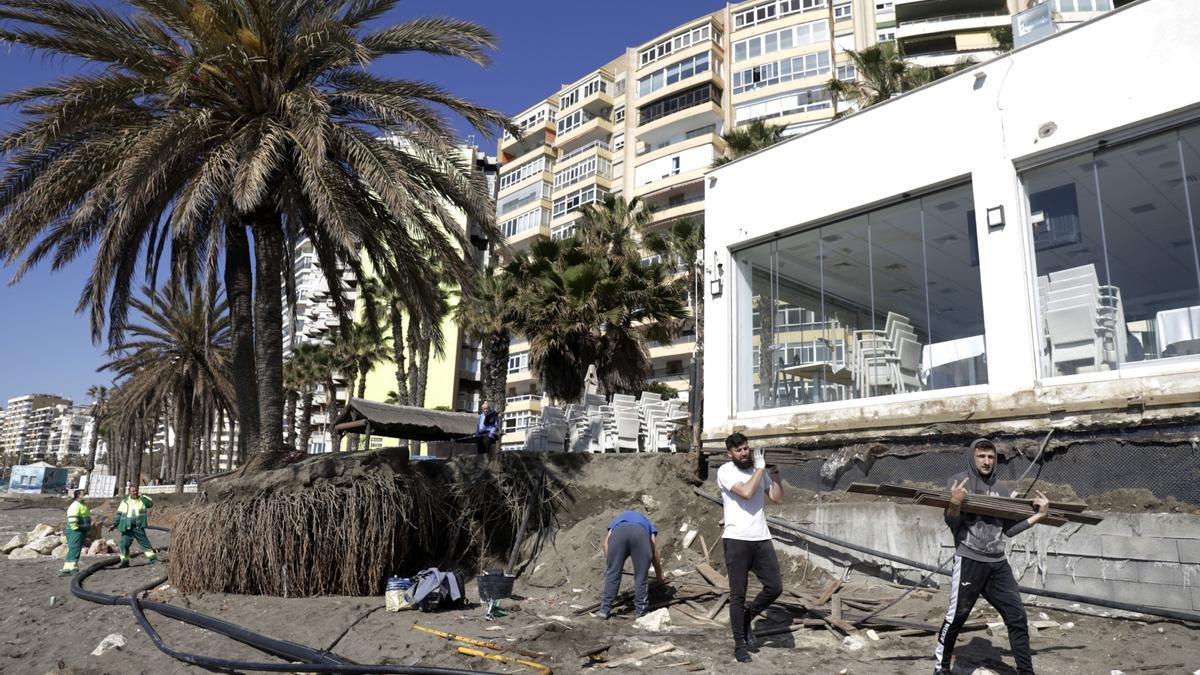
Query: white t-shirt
point(744, 518)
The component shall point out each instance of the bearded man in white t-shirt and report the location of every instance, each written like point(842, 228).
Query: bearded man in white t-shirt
point(744, 482)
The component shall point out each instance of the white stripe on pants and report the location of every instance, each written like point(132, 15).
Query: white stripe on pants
point(950, 611)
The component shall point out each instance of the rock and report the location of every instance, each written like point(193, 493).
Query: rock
point(40, 531)
point(1068, 625)
point(984, 671)
point(1043, 616)
point(873, 635)
point(996, 628)
point(690, 537)
point(97, 547)
point(649, 502)
point(853, 643)
point(654, 621)
point(23, 554)
point(15, 543)
point(62, 538)
point(683, 527)
point(43, 545)
point(1114, 671)
point(1045, 624)
point(59, 551)
point(110, 642)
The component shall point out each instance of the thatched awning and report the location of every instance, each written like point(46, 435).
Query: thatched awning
point(404, 421)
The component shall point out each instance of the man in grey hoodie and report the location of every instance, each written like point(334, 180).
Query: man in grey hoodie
point(980, 567)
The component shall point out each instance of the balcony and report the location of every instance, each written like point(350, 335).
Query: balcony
point(592, 128)
point(663, 118)
point(592, 94)
point(524, 376)
point(531, 402)
point(951, 23)
point(533, 135)
point(680, 348)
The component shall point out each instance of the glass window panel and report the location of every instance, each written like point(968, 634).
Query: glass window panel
point(755, 46)
point(1149, 243)
point(785, 39)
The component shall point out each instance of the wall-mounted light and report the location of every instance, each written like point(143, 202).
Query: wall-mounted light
point(995, 217)
point(716, 283)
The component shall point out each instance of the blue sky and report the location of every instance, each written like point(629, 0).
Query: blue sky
point(45, 346)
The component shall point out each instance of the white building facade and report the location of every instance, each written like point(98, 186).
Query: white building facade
point(1025, 252)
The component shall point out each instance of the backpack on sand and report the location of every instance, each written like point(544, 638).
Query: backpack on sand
point(434, 590)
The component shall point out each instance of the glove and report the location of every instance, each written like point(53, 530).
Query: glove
point(760, 458)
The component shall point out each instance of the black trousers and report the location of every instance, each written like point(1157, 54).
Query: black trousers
point(994, 581)
point(483, 444)
point(741, 558)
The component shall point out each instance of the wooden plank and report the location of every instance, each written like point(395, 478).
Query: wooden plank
point(704, 548)
point(717, 606)
point(592, 651)
point(712, 576)
point(832, 588)
point(835, 607)
point(640, 656)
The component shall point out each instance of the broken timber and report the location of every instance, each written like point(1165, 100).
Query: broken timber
point(984, 505)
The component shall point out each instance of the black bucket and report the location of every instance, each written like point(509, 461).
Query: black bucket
point(494, 586)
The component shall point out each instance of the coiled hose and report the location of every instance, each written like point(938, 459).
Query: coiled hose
point(303, 659)
point(796, 530)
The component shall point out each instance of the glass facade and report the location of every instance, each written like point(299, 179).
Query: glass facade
point(882, 303)
point(1114, 238)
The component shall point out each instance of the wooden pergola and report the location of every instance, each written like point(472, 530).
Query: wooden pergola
point(403, 422)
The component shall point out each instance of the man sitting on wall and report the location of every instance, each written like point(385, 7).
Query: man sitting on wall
point(980, 567)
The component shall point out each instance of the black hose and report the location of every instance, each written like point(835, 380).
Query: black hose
point(307, 660)
point(1058, 595)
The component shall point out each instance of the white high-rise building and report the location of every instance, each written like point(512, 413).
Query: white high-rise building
point(28, 421)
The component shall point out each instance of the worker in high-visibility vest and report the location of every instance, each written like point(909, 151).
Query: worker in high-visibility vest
point(131, 522)
point(79, 521)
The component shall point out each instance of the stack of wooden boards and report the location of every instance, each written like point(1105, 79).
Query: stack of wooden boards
point(1008, 508)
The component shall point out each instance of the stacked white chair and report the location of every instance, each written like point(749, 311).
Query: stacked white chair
point(1083, 321)
point(887, 361)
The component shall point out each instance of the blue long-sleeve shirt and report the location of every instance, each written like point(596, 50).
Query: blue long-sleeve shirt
point(487, 424)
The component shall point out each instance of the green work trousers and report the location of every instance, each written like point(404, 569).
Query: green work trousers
point(127, 538)
point(74, 544)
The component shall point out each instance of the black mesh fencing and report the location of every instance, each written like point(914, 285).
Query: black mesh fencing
point(1090, 466)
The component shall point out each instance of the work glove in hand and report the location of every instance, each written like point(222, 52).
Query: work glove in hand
point(760, 459)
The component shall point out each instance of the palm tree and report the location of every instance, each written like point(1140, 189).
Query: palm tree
point(880, 72)
point(362, 347)
point(178, 355)
point(212, 125)
point(99, 395)
point(748, 139)
point(483, 313)
point(682, 244)
point(589, 301)
point(303, 372)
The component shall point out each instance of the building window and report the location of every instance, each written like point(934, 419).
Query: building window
point(518, 363)
point(772, 10)
point(618, 143)
point(676, 43)
point(574, 121)
point(520, 173)
point(522, 198)
point(882, 303)
point(843, 12)
point(564, 231)
point(684, 99)
point(535, 118)
point(846, 73)
point(1083, 5)
point(1114, 237)
point(592, 166)
point(526, 221)
point(888, 35)
point(778, 72)
point(593, 86)
point(619, 114)
point(568, 203)
point(885, 6)
point(517, 421)
point(787, 38)
point(673, 73)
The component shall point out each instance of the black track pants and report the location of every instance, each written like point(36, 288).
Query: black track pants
point(995, 582)
point(741, 558)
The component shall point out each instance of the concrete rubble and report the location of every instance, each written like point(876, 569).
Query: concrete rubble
point(110, 642)
point(46, 540)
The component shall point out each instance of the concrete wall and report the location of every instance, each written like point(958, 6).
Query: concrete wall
point(981, 125)
point(1150, 559)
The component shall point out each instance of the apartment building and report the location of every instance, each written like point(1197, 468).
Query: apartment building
point(649, 123)
point(70, 433)
point(941, 32)
point(27, 425)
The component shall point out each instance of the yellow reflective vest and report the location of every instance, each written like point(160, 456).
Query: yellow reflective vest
point(79, 516)
point(131, 514)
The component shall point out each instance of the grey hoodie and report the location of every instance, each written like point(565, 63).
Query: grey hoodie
point(980, 537)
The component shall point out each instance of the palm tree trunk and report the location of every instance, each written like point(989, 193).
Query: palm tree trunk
point(305, 420)
point(397, 320)
point(135, 457)
point(364, 368)
point(220, 442)
point(268, 323)
point(289, 423)
point(332, 410)
point(94, 442)
point(183, 440)
point(495, 369)
point(238, 289)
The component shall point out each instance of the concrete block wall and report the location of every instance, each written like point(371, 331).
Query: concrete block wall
point(1149, 559)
